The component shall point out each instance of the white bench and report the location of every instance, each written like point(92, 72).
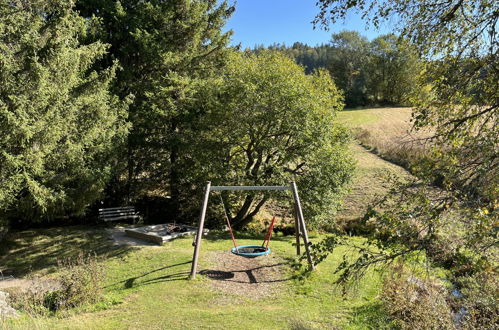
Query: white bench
point(118, 213)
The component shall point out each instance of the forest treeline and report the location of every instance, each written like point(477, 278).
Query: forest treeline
point(106, 103)
point(383, 71)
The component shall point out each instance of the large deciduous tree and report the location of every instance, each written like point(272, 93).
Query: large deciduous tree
point(270, 123)
point(58, 121)
point(383, 71)
point(392, 70)
point(167, 50)
point(348, 63)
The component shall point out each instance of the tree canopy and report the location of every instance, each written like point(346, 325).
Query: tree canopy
point(383, 71)
point(270, 123)
point(59, 124)
point(167, 50)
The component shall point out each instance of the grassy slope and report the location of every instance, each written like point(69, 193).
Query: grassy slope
point(389, 122)
point(370, 180)
point(387, 132)
point(147, 288)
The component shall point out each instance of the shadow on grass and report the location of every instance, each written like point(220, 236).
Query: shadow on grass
point(131, 282)
point(38, 249)
point(228, 276)
point(373, 314)
point(134, 282)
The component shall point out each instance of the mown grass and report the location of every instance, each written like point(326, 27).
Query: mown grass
point(370, 182)
point(36, 251)
point(147, 287)
point(381, 134)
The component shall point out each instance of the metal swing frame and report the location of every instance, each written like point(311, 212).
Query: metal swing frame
point(300, 228)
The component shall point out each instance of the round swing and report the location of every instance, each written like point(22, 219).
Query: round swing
point(249, 251)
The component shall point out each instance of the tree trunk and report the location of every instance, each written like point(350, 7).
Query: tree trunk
point(244, 216)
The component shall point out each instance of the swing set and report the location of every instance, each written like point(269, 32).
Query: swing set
point(253, 251)
point(248, 251)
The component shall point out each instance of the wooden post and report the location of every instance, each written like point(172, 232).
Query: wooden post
point(297, 229)
point(199, 234)
point(302, 224)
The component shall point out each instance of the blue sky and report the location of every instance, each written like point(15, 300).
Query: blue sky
point(286, 21)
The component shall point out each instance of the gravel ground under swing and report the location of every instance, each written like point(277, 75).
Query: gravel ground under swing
point(249, 277)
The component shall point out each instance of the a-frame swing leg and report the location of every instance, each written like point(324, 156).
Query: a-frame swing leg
point(302, 226)
point(199, 235)
point(297, 230)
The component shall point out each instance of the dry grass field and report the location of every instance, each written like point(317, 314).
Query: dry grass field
point(387, 132)
point(385, 147)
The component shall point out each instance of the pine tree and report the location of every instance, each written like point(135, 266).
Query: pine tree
point(59, 123)
point(167, 50)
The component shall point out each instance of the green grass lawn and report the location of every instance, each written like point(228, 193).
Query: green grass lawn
point(353, 118)
point(389, 118)
point(147, 288)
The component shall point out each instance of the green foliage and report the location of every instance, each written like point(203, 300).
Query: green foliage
point(269, 124)
point(392, 70)
point(348, 63)
point(311, 58)
point(463, 109)
point(59, 124)
point(168, 50)
point(380, 72)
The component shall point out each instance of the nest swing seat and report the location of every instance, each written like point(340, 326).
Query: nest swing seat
point(249, 251)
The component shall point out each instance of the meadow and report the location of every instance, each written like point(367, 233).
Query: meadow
point(147, 287)
point(388, 133)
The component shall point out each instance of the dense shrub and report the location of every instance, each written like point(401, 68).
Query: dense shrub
point(80, 282)
point(414, 303)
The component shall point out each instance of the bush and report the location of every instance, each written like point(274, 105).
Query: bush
point(30, 300)
point(79, 283)
point(414, 303)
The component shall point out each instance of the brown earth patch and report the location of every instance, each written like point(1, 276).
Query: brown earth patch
point(247, 277)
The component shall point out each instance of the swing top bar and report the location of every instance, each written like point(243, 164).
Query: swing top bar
point(221, 188)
